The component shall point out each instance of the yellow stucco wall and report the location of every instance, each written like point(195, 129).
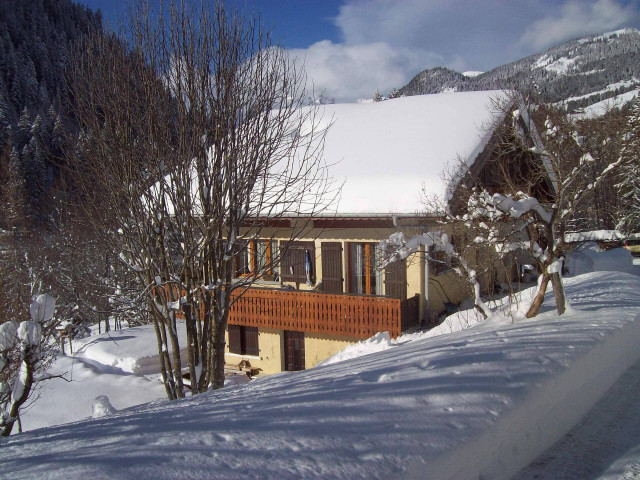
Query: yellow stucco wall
point(271, 344)
point(447, 287)
point(319, 347)
point(270, 348)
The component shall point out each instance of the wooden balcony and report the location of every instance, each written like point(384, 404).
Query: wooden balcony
point(356, 316)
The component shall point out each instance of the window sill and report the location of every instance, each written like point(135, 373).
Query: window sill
point(238, 355)
point(258, 282)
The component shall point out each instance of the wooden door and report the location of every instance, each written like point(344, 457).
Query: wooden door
point(332, 267)
point(293, 350)
point(395, 279)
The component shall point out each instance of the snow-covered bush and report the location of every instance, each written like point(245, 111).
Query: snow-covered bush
point(22, 357)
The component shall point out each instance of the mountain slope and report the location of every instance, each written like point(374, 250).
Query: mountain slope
point(592, 68)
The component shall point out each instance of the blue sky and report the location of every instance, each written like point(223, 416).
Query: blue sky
point(351, 48)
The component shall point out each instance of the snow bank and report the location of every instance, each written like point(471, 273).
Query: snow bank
point(479, 403)
point(69, 396)
point(544, 417)
point(378, 343)
point(130, 350)
point(590, 258)
point(453, 323)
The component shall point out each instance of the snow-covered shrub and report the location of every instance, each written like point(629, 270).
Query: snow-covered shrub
point(22, 358)
point(102, 407)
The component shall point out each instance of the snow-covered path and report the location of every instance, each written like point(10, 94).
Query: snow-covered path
point(605, 445)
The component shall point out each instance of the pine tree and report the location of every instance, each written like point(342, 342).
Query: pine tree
point(395, 93)
point(22, 135)
point(13, 197)
point(629, 186)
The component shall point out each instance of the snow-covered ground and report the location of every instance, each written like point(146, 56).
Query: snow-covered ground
point(121, 365)
point(70, 397)
point(482, 402)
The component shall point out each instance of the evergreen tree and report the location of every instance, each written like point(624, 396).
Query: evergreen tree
point(629, 186)
point(22, 135)
point(13, 192)
point(395, 93)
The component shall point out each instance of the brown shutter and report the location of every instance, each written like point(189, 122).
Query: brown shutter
point(251, 341)
point(395, 279)
point(292, 261)
point(331, 256)
point(235, 338)
point(294, 350)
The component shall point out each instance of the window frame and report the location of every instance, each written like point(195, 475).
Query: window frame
point(373, 282)
point(250, 259)
point(243, 340)
point(293, 259)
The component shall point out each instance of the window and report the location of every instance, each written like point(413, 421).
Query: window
point(258, 258)
point(295, 259)
point(363, 275)
point(243, 340)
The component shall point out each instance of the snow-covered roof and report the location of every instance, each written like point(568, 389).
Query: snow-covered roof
point(386, 151)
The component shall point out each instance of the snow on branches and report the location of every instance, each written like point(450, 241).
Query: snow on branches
point(497, 206)
point(20, 357)
point(398, 247)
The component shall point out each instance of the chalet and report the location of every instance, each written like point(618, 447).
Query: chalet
point(326, 291)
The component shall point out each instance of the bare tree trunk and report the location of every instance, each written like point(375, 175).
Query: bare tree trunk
point(558, 292)
point(539, 298)
point(205, 341)
point(191, 346)
point(218, 354)
point(165, 363)
point(29, 359)
point(175, 356)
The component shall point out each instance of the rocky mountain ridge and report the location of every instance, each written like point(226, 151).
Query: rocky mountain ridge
point(580, 72)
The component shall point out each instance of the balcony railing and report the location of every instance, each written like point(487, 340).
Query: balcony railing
point(358, 316)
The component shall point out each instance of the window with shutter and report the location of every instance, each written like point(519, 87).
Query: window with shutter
point(293, 259)
point(331, 256)
point(243, 340)
point(257, 258)
point(395, 279)
point(235, 341)
point(251, 341)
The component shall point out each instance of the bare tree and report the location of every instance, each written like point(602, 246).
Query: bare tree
point(538, 179)
point(543, 185)
point(196, 141)
point(27, 325)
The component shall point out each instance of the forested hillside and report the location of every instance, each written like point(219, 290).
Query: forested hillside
point(36, 38)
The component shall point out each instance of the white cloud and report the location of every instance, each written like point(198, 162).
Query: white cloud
point(384, 43)
point(347, 72)
point(576, 19)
